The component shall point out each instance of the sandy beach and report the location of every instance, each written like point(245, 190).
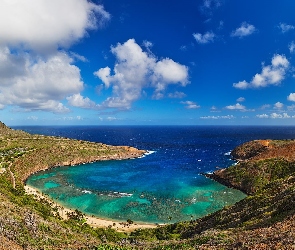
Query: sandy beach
point(91, 220)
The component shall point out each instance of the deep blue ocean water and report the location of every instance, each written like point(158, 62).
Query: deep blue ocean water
point(162, 187)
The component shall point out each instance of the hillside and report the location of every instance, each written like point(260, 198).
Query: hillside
point(263, 220)
point(30, 224)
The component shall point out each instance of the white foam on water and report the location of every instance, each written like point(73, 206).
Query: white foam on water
point(149, 152)
point(86, 192)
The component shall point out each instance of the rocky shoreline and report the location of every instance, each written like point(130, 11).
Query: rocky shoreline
point(247, 155)
point(126, 153)
point(217, 176)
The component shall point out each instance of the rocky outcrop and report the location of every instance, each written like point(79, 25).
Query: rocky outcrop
point(250, 149)
point(259, 163)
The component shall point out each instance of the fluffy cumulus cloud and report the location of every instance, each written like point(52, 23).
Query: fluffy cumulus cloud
point(205, 38)
point(241, 99)
point(279, 116)
point(47, 24)
point(77, 100)
point(39, 85)
point(278, 105)
point(237, 106)
point(34, 73)
point(245, 29)
point(291, 97)
point(270, 75)
point(190, 105)
point(135, 70)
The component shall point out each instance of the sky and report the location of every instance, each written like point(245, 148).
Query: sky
point(130, 62)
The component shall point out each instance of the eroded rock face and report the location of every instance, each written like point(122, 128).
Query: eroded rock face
point(250, 149)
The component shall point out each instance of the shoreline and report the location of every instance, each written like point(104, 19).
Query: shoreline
point(132, 154)
point(92, 221)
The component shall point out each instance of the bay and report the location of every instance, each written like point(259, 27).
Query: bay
point(164, 186)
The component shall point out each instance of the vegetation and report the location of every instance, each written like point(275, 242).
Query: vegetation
point(263, 220)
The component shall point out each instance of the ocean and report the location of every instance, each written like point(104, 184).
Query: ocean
point(164, 186)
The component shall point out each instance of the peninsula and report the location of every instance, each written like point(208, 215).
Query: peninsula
point(265, 219)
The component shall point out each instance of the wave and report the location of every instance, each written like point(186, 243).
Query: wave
point(149, 152)
point(86, 192)
point(118, 194)
point(227, 153)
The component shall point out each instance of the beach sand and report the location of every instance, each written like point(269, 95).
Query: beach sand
point(91, 220)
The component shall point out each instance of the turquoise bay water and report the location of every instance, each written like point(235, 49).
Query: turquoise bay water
point(163, 187)
point(117, 190)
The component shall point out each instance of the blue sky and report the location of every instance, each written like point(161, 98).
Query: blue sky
point(130, 62)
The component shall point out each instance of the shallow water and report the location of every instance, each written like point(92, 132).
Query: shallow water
point(164, 186)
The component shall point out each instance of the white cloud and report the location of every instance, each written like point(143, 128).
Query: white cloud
point(40, 85)
point(177, 94)
point(237, 106)
point(292, 47)
point(148, 45)
point(34, 73)
point(286, 27)
point(206, 38)
point(241, 85)
point(104, 75)
point(217, 117)
point(274, 116)
point(241, 99)
point(45, 25)
point(214, 109)
point(210, 5)
point(262, 116)
point(291, 97)
point(278, 105)
point(111, 118)
point(270, 75)
point(78, 57)
point(279, 116)
point(135, 70)
point(190, 105)
point(246, 29)
point(77, 100)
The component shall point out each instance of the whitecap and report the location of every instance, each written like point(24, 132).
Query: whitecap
point(149, 152)
point(227, 153)
point(125, 195)
point(86, 192)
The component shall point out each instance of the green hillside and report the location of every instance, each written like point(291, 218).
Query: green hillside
point(263, 220)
